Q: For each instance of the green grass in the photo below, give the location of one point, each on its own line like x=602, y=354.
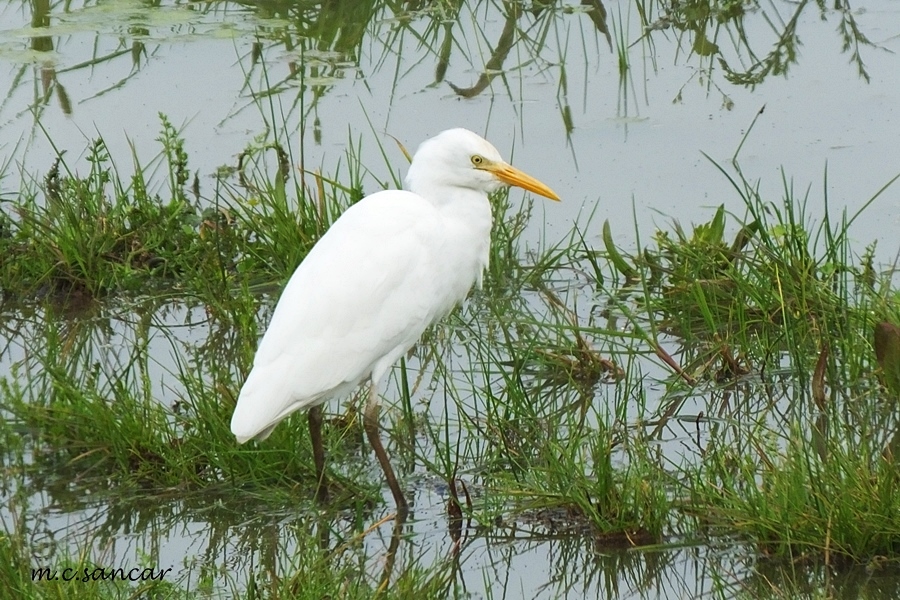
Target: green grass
x=143, y=239
x=719, y=387
x=562, y=400
x=777, y=326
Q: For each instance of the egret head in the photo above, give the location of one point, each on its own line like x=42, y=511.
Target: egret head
x=462, y=159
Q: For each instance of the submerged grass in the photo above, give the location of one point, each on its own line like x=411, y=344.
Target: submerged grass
x=76, y=239
x=777, y=326
x=712, y=383
x=101, y=233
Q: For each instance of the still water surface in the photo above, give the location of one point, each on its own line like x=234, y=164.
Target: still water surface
x=547, y=88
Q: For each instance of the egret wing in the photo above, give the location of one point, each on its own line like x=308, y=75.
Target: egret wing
x=361, y=298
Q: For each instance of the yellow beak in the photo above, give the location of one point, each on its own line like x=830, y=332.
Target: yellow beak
x=510, y=175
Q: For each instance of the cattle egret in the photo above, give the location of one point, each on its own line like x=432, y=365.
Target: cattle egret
x=391, y=265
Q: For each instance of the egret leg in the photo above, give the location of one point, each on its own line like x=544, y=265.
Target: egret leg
x=370, y=423
x=391, y=556
x=315, y=433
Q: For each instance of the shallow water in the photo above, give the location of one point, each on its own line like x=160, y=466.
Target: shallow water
x=624, y=148
x=631, y=146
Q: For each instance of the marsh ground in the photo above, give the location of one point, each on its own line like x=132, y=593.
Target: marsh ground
x=681, y=382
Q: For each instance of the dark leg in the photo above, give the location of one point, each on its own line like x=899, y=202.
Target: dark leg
x=370, y=423
x=315, y=434
x=391, y=555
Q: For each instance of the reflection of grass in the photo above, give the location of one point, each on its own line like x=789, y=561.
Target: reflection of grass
x=727, y=384
x=717, y=32
x=316, y=46
x=808, y=470
x=314, y=561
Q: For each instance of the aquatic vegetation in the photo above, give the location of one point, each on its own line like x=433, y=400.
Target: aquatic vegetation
x=533, y=412
x=699, y=406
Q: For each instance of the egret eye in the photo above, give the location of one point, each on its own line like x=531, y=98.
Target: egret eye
x=358, y=301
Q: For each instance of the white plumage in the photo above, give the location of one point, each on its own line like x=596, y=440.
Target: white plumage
x=391, y=265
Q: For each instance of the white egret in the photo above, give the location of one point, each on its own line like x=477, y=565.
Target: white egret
x=391, y=265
